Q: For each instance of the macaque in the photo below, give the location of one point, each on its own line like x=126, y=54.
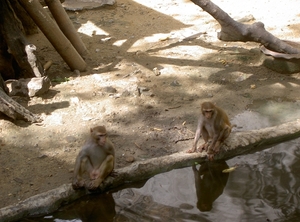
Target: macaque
x=213, y=124
x=96, y=158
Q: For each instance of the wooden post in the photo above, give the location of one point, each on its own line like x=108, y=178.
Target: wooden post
x=66, y=26
x=54, y=34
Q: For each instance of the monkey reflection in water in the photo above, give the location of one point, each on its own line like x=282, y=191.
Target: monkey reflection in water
x=210, y=182
x=96, y=158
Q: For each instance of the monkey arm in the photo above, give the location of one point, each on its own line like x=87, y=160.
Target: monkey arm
x=197, y=136
x=77, y=166
x=79, y=170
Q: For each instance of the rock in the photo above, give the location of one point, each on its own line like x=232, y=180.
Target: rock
x=175, y=83
x=75, y=5
x=156, y=71
x=28, y=87
x=71, y=139
x=129, y=159
x=281, y=62
x=38, y=86
x=17, y=87
x=284, y=66
x=109, y=89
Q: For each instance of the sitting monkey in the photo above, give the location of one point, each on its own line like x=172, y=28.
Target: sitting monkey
x=97, y=158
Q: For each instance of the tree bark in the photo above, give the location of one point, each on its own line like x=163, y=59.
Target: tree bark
x=16, y=41
x=66, y=26
x=28, y=24
x=238, y=143
x=232, y=30
x=54, y=34
x=2, y=85
x=14, y=110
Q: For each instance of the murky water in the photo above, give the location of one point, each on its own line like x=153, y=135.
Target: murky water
x=264, y=187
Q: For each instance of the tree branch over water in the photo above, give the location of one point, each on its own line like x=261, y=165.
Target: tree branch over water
x=238, y=143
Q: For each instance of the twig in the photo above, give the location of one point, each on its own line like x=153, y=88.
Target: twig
x=184, y=139
x=137, y=145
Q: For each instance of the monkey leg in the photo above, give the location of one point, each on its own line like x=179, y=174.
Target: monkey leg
x=218, y=146
x=98, y=175
x=205, y=136
x=223, y=135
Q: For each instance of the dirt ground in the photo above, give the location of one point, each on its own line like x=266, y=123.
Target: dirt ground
x=146, y=79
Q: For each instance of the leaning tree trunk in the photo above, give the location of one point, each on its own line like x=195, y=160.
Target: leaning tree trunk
x=51, y=30
x=238, y=143
x=63, y=21
x=232, y=30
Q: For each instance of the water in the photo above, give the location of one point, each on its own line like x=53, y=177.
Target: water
x=264, y=187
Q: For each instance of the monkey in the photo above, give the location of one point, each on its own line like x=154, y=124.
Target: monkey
x=213, y=124
x=96, y=158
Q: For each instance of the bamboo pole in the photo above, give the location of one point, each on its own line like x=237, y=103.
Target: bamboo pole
x=51, y=30
x=66, y=26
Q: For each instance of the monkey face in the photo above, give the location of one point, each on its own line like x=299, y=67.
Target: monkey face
x=101, y=139
x=208, y=113
x=99, y=135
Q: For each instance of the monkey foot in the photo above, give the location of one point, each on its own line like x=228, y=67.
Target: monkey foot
x=191, y=151
x=94, y=184
x=77, y=186
x=210, y=157
x=201, y=149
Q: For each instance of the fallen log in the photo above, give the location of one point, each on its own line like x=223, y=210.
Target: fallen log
x=14, y=110
x=232, y=30
x=238, y=143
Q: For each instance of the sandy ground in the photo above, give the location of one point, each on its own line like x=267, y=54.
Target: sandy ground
x=145, y=82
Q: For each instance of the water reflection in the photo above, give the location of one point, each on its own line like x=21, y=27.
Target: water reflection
x=265, y=187
x=209, y=182
x=93, y=208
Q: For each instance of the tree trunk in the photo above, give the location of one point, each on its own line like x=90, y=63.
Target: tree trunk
x=240, y=143
x=232, y=30
x=54, y=34
x=66, y=26
x=16, y=42
x=28, y=24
